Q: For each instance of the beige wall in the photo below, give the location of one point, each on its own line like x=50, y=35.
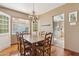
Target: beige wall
x=13, y=39
x=71, y=32
x=14, y=13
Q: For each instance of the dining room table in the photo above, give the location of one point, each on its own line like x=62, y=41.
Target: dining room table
x=33, y=40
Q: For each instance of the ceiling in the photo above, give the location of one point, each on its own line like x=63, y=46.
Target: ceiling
x=40, y=8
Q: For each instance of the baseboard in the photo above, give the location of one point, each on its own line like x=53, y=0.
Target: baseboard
x=14, y=44
x=72, y=52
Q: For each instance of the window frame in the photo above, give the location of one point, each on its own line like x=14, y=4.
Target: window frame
x=4, y=14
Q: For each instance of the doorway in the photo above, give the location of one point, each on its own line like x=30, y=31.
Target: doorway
x=58, y=30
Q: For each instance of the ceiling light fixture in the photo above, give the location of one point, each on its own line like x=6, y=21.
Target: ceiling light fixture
x=33, y=16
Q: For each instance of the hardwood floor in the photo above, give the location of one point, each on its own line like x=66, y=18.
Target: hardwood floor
x=56, y=51
x=72, y=53
x=9, y=51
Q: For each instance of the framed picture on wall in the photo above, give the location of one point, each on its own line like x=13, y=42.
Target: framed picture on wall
x=73, y=18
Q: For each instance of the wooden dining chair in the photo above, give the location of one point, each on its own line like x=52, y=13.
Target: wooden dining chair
x=18, y=41
x=25, y=49
x=45, y=48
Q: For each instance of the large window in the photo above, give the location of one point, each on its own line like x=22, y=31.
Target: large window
x=20, y=25
x=4, y=24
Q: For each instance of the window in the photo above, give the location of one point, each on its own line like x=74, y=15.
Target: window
x=4, y=24
x=35, y=26
x=20, y=25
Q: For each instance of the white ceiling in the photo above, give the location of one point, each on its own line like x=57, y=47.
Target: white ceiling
x=40, y=8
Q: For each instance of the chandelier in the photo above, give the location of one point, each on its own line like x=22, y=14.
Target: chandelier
x=33, y=16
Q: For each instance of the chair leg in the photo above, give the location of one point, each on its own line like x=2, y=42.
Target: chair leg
x=43, y=53
x=50, y=52
x=24, y=52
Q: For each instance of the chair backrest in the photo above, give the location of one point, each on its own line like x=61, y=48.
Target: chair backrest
x=48, y=39
x=17, y=35
x=21, y=39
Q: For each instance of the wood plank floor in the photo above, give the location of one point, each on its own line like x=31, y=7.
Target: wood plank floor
x=56, y=51
x=9, y=51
